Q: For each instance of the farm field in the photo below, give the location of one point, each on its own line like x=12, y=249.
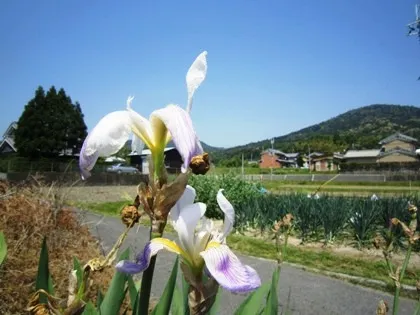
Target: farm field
x=337, y=255
x=342, y=188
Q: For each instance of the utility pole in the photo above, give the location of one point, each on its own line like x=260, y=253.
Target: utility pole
x=243, y=174
x=272, y=153
x=309, y=158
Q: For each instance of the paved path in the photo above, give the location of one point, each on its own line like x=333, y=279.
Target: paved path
x=310, y=293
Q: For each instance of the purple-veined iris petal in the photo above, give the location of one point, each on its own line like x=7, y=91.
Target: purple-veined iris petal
x=195, y=76
x=187, y=198
x=107, y=138
x=229, y=212
x=226, y=268
x=129, y=267
x=179, y=124
x=144, y=257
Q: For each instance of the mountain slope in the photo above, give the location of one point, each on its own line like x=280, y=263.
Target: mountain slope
x=360, y=128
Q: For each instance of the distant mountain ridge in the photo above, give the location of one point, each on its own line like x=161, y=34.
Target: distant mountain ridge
x=360, y=128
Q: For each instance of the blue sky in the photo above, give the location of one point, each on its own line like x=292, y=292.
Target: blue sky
x=274, y=66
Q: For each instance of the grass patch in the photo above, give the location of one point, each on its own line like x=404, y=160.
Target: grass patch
x=319, y=259
x=111, y=208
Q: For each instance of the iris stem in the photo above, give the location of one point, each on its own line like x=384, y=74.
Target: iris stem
x=398, y=284
x=146, y=286
x=146, y=280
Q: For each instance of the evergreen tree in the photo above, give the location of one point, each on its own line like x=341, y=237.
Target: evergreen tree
x=49, y=125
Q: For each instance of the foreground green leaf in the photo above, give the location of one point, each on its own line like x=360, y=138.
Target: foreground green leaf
x=79, y=272
x=164, y=305
x=132, y=291
x=178, y=307
x=272, y=298
x=3, y=248
x=90, y=309
x=253, y=303
x=99, y=299
x=43, y=277
x=185, y=291
x=216, y=305
x=114, y=297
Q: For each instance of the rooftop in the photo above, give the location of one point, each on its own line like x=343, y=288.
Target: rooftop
x=361, y=153
x=278, y=152
x=398, y=136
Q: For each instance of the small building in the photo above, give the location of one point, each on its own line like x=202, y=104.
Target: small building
x=277, y=159
x=326, y=162
x=308, y=158
x=397, y=148
x=173, y=160
x=7, y=145
x=399, y=141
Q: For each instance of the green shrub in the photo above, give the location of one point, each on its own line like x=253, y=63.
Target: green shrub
x=235, y=190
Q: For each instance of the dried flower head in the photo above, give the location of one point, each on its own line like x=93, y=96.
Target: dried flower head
x=382, y=308
x=395, y=221
x=130, y=215
x=412, y=208
x=288, y=220
x=36, y=308
x=200, y=164
x=378, y=241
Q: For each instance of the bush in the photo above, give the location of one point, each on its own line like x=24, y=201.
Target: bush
x=235, y=190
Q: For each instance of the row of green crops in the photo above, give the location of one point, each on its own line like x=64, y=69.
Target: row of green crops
x=327, y=218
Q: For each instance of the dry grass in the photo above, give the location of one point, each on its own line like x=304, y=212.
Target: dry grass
x=26, y=216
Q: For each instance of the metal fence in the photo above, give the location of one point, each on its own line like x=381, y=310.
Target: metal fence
x=374, y=178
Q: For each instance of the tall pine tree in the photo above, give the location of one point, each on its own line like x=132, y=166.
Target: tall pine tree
x=50, y=125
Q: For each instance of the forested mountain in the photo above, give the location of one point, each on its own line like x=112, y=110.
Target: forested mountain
x=360, y=128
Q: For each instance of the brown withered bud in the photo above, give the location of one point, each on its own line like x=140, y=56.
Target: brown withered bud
x=276, y=226
x=412, y=208
x=40, y=309
x=130, y=215
x=418, y=286
x=165, y=198
x=382, y=308
x=395, y=221
x=377, y=242
x=36, y=308
x=288, y=220
x=200, y=164
x=145, y=194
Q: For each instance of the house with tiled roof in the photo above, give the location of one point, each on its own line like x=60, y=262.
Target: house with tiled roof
x=272, y=158
x=7, y=144
x=326, y=162
x=397, y=148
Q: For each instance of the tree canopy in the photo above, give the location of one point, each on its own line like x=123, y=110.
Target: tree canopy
x=51, y=124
